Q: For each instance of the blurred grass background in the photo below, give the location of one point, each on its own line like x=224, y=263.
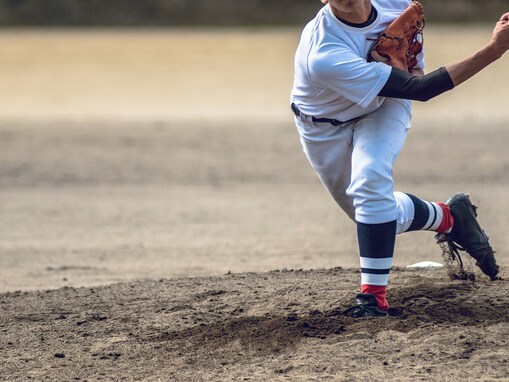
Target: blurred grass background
x=209, y=13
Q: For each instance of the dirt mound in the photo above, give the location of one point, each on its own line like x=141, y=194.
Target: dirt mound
x=414, y=307
x=259, y=326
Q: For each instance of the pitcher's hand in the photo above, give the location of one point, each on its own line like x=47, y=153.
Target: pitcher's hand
x=500, y=38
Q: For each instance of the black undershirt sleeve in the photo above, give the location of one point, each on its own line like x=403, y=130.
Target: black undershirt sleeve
x=404, y=85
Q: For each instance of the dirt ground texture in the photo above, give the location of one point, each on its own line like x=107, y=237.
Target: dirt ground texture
x=279, y=325
x=159, y=220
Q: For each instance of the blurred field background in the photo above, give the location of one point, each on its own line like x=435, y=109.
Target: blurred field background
x=131, y=153
x=203, y=12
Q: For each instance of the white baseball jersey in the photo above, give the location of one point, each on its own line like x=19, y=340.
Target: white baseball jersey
x=332, y=77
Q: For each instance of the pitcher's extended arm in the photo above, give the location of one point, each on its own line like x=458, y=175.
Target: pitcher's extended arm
x=422, y=88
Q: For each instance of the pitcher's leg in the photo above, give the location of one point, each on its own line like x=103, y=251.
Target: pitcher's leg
x=456, y=219
x=415, y=214
x=378, y=140
x=376, y=247
x=330, y=156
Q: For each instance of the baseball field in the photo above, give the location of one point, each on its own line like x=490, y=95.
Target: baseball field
x=159, y=221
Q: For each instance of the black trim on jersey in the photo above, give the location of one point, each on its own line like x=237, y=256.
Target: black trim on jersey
x=368, y=22
x=404, y=85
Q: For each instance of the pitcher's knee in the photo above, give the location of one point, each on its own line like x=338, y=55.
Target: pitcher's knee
x=373, y=197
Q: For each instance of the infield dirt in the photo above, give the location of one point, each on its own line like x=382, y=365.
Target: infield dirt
x=160, y=221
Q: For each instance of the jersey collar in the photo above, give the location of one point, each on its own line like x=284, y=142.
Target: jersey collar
x=355, y=29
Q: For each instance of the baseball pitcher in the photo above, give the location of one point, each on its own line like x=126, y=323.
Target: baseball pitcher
x=358, y=65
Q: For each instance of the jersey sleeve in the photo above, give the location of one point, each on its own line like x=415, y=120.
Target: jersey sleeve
x=349, y=75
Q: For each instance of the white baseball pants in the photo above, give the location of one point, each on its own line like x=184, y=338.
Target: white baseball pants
x=355, y=162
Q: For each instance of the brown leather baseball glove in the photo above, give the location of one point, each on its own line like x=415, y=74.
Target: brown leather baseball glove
x=402, y=40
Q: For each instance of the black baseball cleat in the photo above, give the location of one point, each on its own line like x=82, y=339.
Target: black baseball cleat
x=366, y=307
x=467, y=235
